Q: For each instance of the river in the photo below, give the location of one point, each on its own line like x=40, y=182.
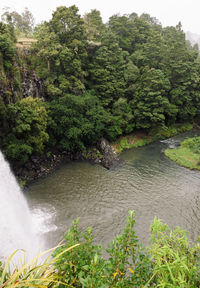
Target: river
x=148, y=183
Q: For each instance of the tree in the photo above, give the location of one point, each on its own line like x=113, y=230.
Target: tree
x=106, y=70
x=150, y=53
x=131, y=75
x=63, y=43
x=150, y=104
x=180, y=66
x=123, y=117
x=7, y=46
x=23, y=23
x=131, y=31
x=47, y=49
x=153, y=21
x=76, y=121
x=93, y=25
x=27, y=122
x=124, y=29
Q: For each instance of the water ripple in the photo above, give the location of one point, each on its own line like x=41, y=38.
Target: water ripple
x=149, y=183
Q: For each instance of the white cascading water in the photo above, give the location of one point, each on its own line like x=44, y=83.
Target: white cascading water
x=15, y=218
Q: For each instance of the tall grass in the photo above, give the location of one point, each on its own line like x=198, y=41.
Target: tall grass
x=130, y=141
x=139, y=139
x=35, y=273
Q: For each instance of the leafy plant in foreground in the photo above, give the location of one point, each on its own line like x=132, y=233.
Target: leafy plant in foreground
x=170, y=261
x=31, y=274
x=175, y=262
x=126, y=266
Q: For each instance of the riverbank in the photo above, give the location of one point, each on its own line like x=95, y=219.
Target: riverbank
x=104, y=153
x=142, y=138
x=187, y=154
x=41, y=166
x=148, y=183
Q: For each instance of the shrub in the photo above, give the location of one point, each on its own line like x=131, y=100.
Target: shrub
x=170, y=261
x=126, y=266
x=176, y=263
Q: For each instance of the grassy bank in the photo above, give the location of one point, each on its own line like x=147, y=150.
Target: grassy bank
x=138, y=139
x=188, y=154
x=142, y=138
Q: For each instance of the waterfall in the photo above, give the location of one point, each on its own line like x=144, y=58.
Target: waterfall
x=15, y=218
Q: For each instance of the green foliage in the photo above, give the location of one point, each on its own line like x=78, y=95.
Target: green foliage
x=169, y=261
x=163, y=132
x=38, y=272
x=124, y=29
x=84, y=266
x=124, y=144
x=106, y=71
x=129, y=142
x=142, y=76
x=61, y=49
x=188, y=154
x=76, y=121
x=123, y=116
x=193, y=144
x=92, y=154
x=131, y=30
x=7, y=47
x=150, y=103
x=175, y=262
x=93, y=25
x=26, y=133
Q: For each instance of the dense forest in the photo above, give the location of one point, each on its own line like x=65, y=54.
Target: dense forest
x=88, y=80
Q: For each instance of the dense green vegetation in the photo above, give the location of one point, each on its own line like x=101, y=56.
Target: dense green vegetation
x=99, y=80
x=140, y=139
x=188, y=154
x=169, y=261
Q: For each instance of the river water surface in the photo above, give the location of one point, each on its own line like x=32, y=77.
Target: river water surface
x=148, y=183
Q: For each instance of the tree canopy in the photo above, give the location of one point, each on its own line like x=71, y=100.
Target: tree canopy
x=99, y=80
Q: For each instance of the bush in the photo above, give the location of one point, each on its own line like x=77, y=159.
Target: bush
x=126, y=266
x=170, y=261
x=176, y=263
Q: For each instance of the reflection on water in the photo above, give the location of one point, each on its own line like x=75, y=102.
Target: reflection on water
x=149, y=183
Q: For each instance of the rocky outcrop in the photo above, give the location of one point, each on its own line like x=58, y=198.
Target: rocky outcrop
x=26, y=84
x=39, y=166
x=109, y=158
x=31, y=86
